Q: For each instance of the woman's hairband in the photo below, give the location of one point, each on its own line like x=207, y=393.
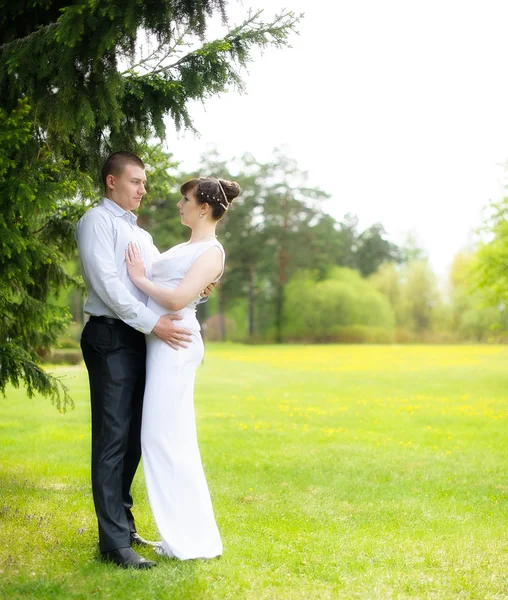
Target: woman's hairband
x=225, y=197
x=224, y=206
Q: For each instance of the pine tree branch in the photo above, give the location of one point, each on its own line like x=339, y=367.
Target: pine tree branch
x=23, y=368
x=156, y=53
x=250, y=31
x=39, y=230
x=146, y=60
x=17, y=43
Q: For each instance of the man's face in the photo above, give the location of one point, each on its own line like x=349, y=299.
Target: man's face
x=128, y=188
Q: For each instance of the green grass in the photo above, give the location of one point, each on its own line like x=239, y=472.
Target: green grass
x=336, y=472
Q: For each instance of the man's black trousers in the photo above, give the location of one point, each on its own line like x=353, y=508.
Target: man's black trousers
x=114, y=355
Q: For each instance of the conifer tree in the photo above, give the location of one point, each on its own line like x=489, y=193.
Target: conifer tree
x=74, y=86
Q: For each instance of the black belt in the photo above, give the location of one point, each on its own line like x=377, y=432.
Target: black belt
x=108, y=320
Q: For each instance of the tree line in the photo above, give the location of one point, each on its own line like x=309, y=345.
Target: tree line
x=297, y=274
x=276, y=229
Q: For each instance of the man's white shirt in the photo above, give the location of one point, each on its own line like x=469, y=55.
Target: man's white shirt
x=103, y=234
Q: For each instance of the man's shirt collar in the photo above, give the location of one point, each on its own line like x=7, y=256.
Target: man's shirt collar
x=117, y=210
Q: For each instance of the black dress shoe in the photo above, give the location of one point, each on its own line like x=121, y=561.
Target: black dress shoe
x=139, y=541
x=127, y=558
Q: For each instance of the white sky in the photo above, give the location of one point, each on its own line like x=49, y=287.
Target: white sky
x=399, y=109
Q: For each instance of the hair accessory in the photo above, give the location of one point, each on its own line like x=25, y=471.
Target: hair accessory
x=226, y=206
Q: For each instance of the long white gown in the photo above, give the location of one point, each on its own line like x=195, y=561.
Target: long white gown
x=175, y=480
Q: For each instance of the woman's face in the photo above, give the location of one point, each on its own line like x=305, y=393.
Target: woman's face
x=189, y=208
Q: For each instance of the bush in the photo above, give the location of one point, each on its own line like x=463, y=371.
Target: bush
x=66, y=356
x=326, y=310
x=68, y=343
x=404, y=336
x=440, y=337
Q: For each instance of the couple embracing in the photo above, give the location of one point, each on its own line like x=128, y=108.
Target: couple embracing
x=142, y=346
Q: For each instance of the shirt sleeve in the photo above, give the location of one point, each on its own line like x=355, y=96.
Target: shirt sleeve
x=96, y=249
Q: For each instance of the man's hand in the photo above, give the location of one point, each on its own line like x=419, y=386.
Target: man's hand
x=208, y=290
x=176, y=337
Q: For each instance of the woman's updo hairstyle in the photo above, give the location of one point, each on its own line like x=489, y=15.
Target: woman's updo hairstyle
x=218, y=193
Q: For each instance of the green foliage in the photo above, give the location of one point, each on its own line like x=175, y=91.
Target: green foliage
x=364, y=251
x=35, y=237
x=64, y=356
x=319, y=310
x=422, y=314
x=74, y=86
x=373, y=250
x=489, y=270
x=412, y=292
x=419, y=296
x=387, y=280
x=476, y=313
x=67, y=60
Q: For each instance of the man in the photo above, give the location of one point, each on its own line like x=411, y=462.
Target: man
x=113, y=345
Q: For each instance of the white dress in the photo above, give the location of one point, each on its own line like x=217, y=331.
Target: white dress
x=175, y=480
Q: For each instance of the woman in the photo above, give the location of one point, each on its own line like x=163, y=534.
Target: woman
x=175, y=480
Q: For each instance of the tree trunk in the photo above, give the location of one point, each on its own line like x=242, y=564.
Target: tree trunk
x=252, y=282
x=77, y=308
x=279, y=308
x=222, y=316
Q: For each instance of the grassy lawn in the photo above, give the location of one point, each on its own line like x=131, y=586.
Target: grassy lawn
x=336, y=472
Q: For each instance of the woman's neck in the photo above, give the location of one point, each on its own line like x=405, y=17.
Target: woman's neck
x=202, y=233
